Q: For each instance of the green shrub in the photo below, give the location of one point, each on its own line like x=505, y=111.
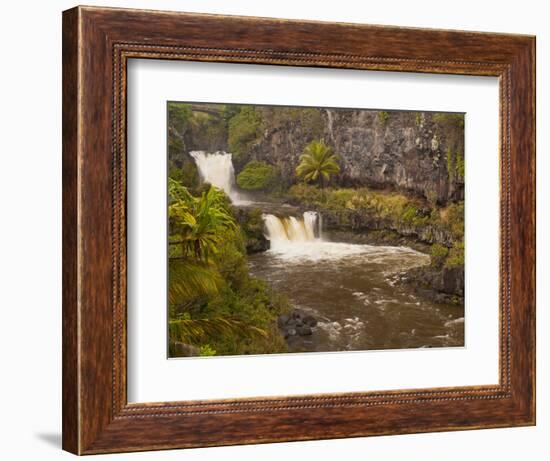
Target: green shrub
x=456, y=255
x=438, y=254
x=244, y=129
x=308, y=119
x=409, y=213
x=187, y=175
x=383, y=116
x=179, y=114
x=460, y=165
x=249, y=300
x=455, y=164
x=453, y=218
x=305, y=193
x=257, y=175
x=207, y=351
x=449, y=119
x=207, y=130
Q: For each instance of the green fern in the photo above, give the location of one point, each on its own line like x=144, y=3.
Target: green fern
x=189, y=280
x=194, y=331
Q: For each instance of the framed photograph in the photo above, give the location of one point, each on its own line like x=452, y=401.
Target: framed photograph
x=284, y=230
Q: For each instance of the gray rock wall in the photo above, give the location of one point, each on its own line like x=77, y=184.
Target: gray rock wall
x=401, y=150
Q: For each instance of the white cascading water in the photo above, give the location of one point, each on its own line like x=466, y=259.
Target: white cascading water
x=312, y=221
x=217, y=169
x=330, y=124
x=298, y=240
x=284, y=231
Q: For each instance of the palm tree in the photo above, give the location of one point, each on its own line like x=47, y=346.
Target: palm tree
x=317, y=163
x=195, y=331
x=189, y=280
x=198, y=226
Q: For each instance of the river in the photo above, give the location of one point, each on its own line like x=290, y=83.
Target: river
x=353, y=291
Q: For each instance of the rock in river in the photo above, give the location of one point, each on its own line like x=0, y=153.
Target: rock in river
x=296, y=323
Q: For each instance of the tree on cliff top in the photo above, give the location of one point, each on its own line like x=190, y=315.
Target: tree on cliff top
x=317, y=163
x=244, y=129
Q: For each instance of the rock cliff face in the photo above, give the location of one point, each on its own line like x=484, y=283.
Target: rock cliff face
x=362, y=222
x=440, y=284
x=408, y=151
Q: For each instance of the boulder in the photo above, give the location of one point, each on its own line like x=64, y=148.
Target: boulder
x=296, y=323
x=304, y=330
x=310, y=321
x=282, y=320
x=184, y=350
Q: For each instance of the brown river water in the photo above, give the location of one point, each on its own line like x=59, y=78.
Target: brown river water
x=353, y=291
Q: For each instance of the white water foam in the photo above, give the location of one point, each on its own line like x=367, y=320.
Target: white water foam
x=318, y=250
x=285, y=231
x=454, y=322
x=217, y=169
x=298, y=240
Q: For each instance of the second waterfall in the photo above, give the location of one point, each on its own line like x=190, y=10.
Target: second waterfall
x=286, y=230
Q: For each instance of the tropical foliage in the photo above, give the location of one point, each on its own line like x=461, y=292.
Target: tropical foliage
x=317, y=163
x=257, y=175
x=438, y=254
x=200, y=330
x=178, y=120
x=200, y=224
x=214, y=304
x=244, y=128
x=383, y=116
x=189, y=280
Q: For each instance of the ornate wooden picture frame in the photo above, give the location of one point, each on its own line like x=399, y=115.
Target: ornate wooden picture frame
x=97, y=44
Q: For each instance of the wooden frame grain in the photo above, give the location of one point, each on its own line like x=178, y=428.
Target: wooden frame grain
x=97, y=44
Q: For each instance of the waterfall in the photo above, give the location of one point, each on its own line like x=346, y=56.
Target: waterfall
x=311, y=220
x=276, y=229
x=217, y=169
x=289, y=230
x=330, y=124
